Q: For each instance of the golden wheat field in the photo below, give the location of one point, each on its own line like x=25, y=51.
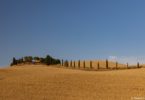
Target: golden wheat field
x=40, y=82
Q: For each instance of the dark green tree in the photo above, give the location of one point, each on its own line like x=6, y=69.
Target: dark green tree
x=28, y=59
x=58, y=61
x=84, y=64
x=127, y=65
x=71, y=63
x=79, y=64
x=138, y=66
x=48, y=60
x=42, y=60
x=74, y=64
x=62, y=62
x=66, y=63
x=116, y=65
x=91, y=64
x=36, y=58
x=107, y=64
x=14, y=62
x=98, y=65
x=51, y=61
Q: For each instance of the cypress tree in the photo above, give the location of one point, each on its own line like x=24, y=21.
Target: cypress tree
x=14, y=62
x=84, y=64
x=107, y=64
x=91, y=64
x=79, y=64
x=98, y=65
x=48, y=60
x=74, y=64
x=127, y=65
x=66, y=63
x=62, y=62
x=138, y=65
x=71, y=63
x=116, y=64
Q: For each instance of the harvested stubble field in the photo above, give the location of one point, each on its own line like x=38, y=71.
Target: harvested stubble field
x=40, y=82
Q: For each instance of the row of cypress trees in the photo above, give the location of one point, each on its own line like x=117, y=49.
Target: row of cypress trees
x=73, y=64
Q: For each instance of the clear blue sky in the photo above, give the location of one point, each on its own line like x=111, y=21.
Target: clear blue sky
x=71, y=29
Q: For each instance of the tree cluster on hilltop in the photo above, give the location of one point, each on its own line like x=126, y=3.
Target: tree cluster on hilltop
x=48, y=60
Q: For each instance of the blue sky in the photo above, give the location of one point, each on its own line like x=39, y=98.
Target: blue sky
x=72, y=29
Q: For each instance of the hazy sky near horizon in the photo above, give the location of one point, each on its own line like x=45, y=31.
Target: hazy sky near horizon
x=72, y=29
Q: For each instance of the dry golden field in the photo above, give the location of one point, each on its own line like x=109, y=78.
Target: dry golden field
x=40, y=82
